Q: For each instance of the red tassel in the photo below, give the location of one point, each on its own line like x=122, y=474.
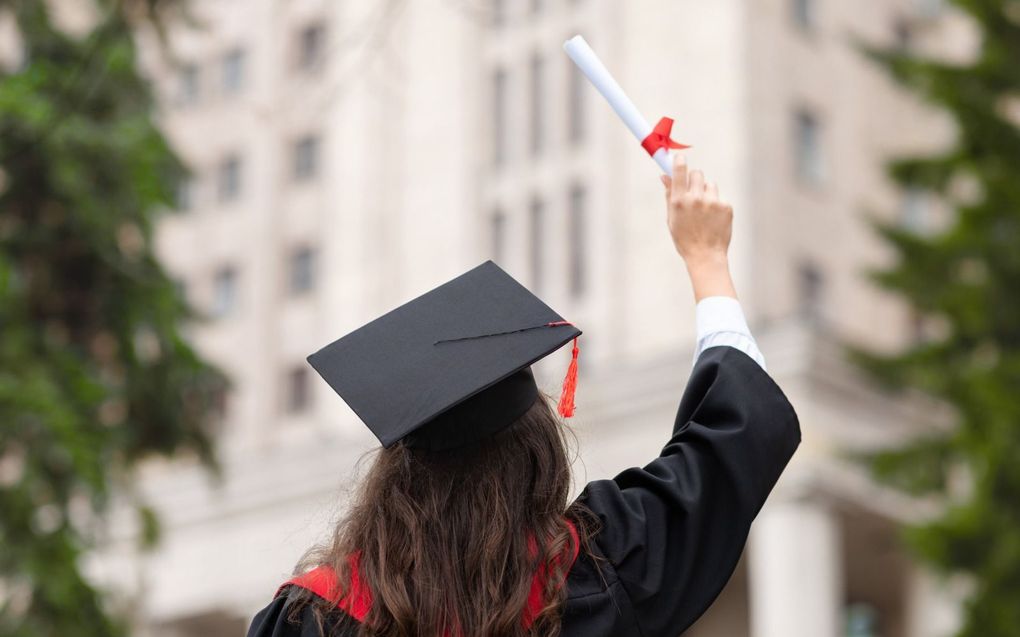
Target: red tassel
x=566, y=405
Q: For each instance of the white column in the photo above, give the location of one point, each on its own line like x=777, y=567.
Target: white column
x=934, y=605
x=795, y=571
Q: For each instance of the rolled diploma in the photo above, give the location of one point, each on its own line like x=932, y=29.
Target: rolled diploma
x=599, y=76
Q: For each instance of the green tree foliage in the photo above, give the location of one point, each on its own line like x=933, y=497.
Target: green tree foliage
x=966, y=277
x=95, y=374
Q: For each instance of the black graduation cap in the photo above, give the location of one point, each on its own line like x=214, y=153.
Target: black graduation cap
x=452, y=366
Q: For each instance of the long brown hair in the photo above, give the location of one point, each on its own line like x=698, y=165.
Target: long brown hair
x=443, y=537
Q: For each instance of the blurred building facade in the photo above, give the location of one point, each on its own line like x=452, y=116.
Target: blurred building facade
x=348, y=156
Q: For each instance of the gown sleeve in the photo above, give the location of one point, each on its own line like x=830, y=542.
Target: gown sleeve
x=674, y=529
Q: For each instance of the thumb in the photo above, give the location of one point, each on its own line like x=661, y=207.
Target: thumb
x=666, y=181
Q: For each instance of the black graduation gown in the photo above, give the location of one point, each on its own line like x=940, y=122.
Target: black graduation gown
x=672, y=531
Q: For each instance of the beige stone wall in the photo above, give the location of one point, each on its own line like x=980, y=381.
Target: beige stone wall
x=864, y=120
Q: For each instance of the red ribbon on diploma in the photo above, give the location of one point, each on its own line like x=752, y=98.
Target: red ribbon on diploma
x=659, y=137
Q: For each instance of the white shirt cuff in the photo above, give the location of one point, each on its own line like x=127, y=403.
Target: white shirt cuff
x=720, y=314
x=720, y=321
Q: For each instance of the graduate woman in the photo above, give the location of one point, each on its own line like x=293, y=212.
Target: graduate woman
x=462, y=526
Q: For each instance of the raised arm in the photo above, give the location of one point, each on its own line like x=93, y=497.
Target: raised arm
x=701, y=223
x=674, y=529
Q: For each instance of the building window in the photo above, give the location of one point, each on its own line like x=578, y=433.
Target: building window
x=903, y=34
x=219, y=405
x=301, y=277
x=306, y=158
x=916, y=210
x=577, y=240
x=499, y=117
x=810, y=291
x=537, y=215
x=537, y=82
x=311, y=47
x=918, y=327
x=189, y=84
x=233, y=71
x=808, y=142
x=184, y=194
x=228, y=178
x=181, y=289
x=930, y=9
x=224, y=291
x=861, y=621
x=575, y=103
x=805, y=13
x=498, y=235
x=498, y=13
x=299, y=395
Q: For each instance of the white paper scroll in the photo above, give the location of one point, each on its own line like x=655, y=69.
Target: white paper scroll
x=599, y=76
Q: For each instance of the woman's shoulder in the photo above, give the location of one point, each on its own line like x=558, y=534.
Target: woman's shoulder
x=290, y=614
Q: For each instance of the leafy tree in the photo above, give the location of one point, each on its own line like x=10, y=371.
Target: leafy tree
x=95, y=374
x=966, y=279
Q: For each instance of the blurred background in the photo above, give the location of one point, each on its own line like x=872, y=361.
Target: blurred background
x=195, y=197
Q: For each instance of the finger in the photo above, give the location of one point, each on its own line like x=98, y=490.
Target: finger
x=680, y=171
x=696, y=186
x=666, y=181
x=711, y=192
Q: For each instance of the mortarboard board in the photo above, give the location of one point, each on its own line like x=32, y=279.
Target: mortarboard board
x=452, y=366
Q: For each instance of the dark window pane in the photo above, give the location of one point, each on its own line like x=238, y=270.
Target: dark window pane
x=228, y=182
x=918, y=325
x=224, y=291
x=219, y=406
x=299, y=396
x=810, y=164
x=804, y=13
x=498, y=13
x=862, y=620
x=233, y=71
x=537, y=214
x=498, y=236
x=499, y=117
x=575, y=103
x=930, y=9
x=189, y=84
x=537, y=98
x=302, y=271
x=916, y=210
x=577, y=243
x=184, y=196
x=306, y=158
x=181, y=289
x=311, y=46
x=903, y=33
x=811, y=291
